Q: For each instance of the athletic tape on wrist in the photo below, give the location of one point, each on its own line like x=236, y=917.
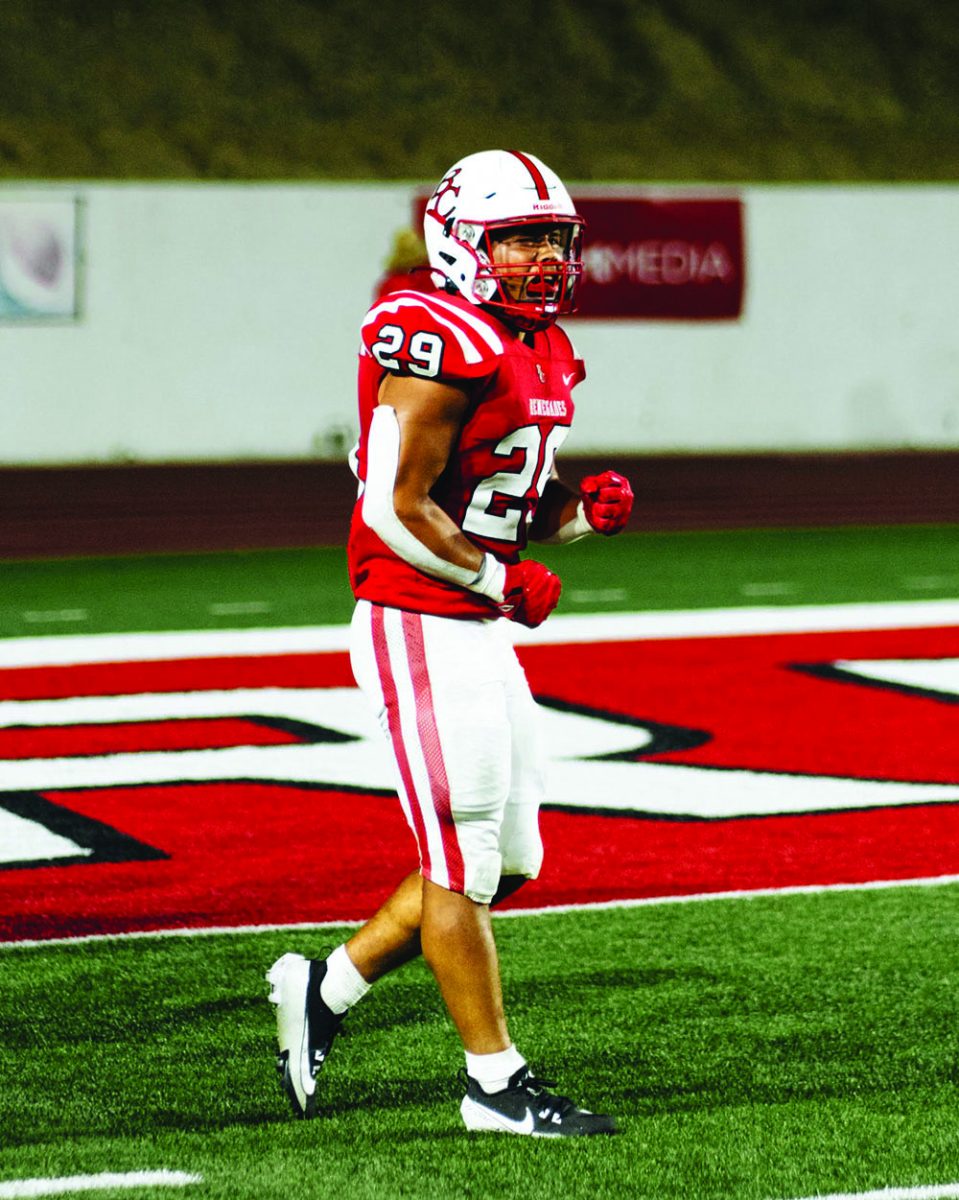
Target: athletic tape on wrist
x=490, y=579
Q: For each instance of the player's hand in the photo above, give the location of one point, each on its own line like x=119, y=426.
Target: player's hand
x=530, y=593
x=607, y=501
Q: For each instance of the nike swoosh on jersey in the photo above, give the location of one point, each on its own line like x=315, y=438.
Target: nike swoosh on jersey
x=568, y=379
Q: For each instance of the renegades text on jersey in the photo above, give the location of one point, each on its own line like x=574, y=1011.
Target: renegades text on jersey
x=520, y=411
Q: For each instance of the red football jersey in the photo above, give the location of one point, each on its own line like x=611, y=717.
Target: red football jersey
x=520, y=412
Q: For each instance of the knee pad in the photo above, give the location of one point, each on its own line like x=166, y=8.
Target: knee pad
x=482, y=870
x=524, y=855
x=520, y=841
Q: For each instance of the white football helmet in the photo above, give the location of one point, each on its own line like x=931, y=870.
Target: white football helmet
x=498, y=190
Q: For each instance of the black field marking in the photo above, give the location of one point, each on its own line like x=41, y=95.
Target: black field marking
x=665, y=739
x=833, y=674
x=104, y=843
x=306, y=731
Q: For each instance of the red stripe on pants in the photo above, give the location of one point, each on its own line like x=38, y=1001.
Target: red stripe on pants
x=432, y=749
x=391, y=699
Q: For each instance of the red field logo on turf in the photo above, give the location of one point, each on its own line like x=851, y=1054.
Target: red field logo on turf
x=254, y=789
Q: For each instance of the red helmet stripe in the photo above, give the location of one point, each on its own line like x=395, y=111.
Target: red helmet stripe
x=542, y=191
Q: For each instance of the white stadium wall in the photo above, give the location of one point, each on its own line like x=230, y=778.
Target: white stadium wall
x=219, y=322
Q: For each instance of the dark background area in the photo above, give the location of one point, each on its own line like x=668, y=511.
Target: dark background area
x=639, y=90
x=615, y=90
x=143, y=509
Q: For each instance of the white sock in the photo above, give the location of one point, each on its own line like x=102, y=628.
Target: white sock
x=493, y=1071
x=342, y=984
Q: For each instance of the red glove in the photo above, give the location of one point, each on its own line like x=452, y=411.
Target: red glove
x=607, y=501
x=530, y=593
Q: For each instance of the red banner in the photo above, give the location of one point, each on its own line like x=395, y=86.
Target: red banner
x=658, y=257
x=662, y=258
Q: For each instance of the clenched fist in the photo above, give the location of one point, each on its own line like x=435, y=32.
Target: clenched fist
x=530, y=593
x=607, y=501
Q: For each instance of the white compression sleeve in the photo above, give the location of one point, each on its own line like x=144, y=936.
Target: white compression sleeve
x=382, y=460
x=573, y=530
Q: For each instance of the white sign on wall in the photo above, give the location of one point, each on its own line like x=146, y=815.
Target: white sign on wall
x=38, y=259
x=220, y=322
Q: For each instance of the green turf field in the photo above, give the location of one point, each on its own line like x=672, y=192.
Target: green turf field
x=753, y=1050
x=768, y=1048
x=630, y=573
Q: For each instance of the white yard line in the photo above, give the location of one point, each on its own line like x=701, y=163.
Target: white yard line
x=598, y=595
x=615, y=627
x=772, y=587
x=930, y=583
x=944, y=1191
x=816, y=889
x=53, y=616
x=65, y=1184
x=237, y=608
x=158, y=647
x=733, y=622
x=812, y=889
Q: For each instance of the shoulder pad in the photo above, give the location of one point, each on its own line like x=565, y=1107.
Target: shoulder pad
x=412, y=333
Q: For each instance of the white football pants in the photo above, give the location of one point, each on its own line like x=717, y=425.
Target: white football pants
x=452, y=698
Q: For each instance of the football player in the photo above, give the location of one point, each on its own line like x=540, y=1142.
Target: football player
x=465, y=397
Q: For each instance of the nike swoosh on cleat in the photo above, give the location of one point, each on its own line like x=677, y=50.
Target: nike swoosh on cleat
x=524, y=1126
